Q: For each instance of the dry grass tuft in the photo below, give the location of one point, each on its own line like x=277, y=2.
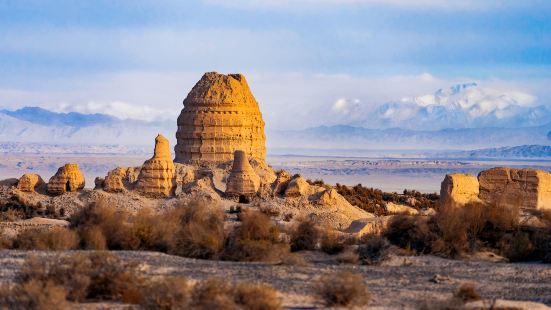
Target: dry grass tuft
x=466, y=293
x=305, y=235
x=56, y=239
x=213, y=293
x=168, y=293
x=256, y=297
x=344, y=289
x=200, y=233
x=256, y=239
x=330, y=241
x=373, y=250
x=33, y=295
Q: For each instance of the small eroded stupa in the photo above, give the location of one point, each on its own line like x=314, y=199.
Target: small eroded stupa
x=242, y=179
x=156, y=177
x=68, y=178
x=220, y=116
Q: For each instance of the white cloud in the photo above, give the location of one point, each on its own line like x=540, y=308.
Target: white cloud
x=287, y=100
x=119, y=109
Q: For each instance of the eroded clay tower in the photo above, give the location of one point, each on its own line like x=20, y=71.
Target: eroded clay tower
x=220, y=116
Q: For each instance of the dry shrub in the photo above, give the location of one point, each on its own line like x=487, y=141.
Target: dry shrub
x=111, y=278
x=213, y=293
x=256, y=297
x=256, y=239
x=330, y=241
x=343, y=289
x=201, y=232
x=93, y=238
x=294, y=259
x=69, y=272
x=6, y=242
x=56, y=239
x=517, y=246
x=411, y=233
x=466, y=293
x=168, y=293
x=305, y=235
x=348, y=256
x=33, y=294
x=11, y=215
x=93, y=276
x=373, y=250
x=112, y=223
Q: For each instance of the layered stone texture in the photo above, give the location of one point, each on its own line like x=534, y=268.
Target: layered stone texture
x=156, y=176
x=242, y=179
x=220, y=116
x=500, y=187
x=68, y=178
x=121, y=179
x=526, y=188
x=29, y=182
x=459, y=189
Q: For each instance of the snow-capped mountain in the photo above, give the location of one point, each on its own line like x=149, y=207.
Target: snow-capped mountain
x=461, y=106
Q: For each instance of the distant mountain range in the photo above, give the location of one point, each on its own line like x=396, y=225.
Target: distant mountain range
x=516, y=152
x=520, y=123
x=37, y=125
x=343, y=137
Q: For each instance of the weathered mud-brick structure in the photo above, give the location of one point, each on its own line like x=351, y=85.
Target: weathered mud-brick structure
x=526, y=188
x=29, y=182
x=156, y=177
x=220, y=116
x=459, y=189
x=68, y=178
x=242, y=181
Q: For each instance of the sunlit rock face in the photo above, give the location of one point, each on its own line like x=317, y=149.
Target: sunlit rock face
x=458, y=189
x=526, y=188
x=68, y=178
x=29, y=182
x=156, y=176
x=220, y=116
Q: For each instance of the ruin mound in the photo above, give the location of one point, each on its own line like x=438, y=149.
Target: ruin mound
x=220, y=116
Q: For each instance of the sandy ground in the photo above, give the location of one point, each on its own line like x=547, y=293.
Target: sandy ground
x=400, y=283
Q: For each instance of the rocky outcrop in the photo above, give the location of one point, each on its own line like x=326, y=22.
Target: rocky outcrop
x=507, y=187
x=121, y=179
x=68, y=178
x=458, y=189
x=394, y=208
x=156, y=176
x=297, y=187
x=29, y=182
x=242, y=180
x=281, y=181
x=369, y=226
x=220, y=116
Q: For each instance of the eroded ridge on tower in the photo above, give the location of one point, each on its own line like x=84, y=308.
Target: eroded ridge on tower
x=220, y=116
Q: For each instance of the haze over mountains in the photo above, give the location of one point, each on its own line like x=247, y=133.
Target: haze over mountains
x=463, y=117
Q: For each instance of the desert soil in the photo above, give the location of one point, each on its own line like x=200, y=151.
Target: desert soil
x=400, y=283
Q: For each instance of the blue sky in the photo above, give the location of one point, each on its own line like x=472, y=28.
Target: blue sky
x=88, y=55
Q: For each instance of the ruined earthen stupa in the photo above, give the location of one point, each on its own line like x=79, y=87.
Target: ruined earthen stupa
x=68, y=178
x=242, y=180
x=29, y=182
x=220, y=116
x=156, y=177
